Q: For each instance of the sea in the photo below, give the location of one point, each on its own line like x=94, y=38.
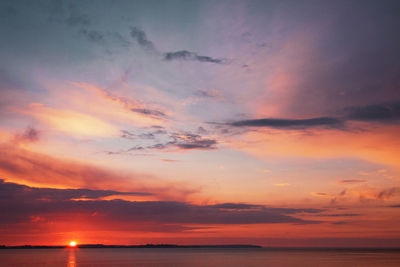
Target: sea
x=197, y=257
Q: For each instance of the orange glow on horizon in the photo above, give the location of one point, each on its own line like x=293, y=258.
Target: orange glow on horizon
x=72, y=244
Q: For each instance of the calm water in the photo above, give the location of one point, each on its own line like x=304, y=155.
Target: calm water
x=194, y=257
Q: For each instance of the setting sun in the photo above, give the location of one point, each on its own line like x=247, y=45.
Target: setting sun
x=72, y=244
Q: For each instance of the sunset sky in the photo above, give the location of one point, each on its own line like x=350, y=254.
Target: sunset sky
x=274, y=123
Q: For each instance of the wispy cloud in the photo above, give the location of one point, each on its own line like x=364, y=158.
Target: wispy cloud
x=94, y=36
x=187, y=55
x=141, y=38
x=185, y=141
x=150, y=112
x=130, y=104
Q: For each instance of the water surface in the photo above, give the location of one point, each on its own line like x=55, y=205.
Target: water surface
x=151, y=257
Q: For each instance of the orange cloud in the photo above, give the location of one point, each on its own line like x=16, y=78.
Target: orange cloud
x=118, y=107
x=21, y=165
x=380, y=145
x=71, y=122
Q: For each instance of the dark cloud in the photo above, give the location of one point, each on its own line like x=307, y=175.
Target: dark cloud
x=128, y=135
x=340, y=222
x=151, y=112
x=149, y=135
x=94, y=36
x=339, y=215
x=379, y=113
x=187, y=55
x=192, y=141
x=22, y=192
x=236, y=206
x=289, y=123
x=198, y=144
x=201, y=130
x=18, y=203
x=29, y=135
x=387, y=193
x=185, y=141
x=140, y=37
x=343, y=193
x=146, y=136
x=387, y=112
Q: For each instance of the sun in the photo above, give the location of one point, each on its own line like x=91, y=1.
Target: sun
x=72, y=244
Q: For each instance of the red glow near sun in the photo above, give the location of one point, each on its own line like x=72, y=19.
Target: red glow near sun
x=72, y=244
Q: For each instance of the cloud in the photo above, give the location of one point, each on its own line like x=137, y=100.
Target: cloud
x=338, y=215
x=20, y=203
x=208, y=93
x=386, y=112
x=236, y=206
x=118, y=38
x=192, y=141
x=187, y=55
x=29, y=135
x=185, y=141
x=289, y=123
x=23, y=192
x=94, y=36
x=150, y=112
x=148, y=135
x=128, y=135
x=38, y=169
x=387, y=193
x=382, y=113
x=140, y=37
x=129, y=104
x=198, y=144
x=352, y=181
x=71, y=122
x=201, y=130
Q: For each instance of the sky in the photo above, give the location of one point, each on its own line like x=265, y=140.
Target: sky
x=274, y=123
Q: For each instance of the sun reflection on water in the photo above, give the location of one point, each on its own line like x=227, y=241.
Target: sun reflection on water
x=71, y=258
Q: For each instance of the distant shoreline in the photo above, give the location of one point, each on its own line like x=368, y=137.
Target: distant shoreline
x=169, y=246
x=130, y=246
